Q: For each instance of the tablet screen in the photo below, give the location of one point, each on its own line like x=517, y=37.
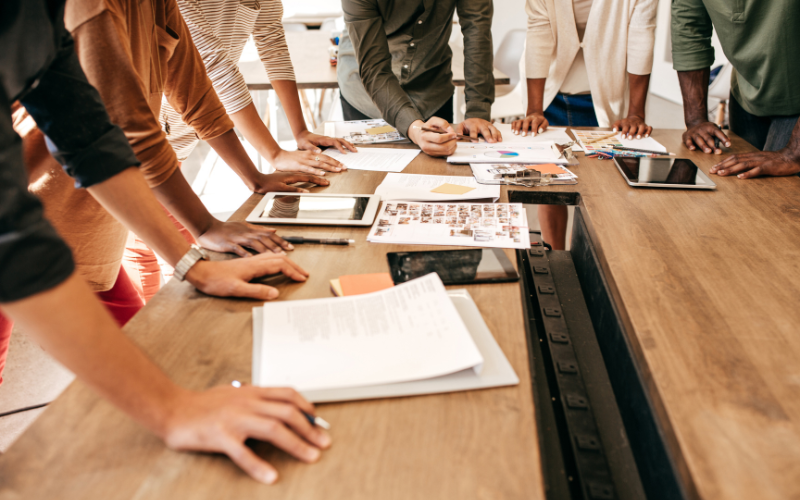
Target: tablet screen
x=661, y=171
x=297, y=206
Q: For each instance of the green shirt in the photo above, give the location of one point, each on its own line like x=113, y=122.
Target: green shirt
x=395, y=60
x=761, y=38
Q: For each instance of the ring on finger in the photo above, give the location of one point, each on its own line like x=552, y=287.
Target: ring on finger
x=316, y=159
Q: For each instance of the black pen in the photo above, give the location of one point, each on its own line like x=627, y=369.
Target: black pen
x=322, y=241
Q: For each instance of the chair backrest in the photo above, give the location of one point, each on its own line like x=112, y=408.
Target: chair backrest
x=294, y=27
x=508, y=54
x=721, y=86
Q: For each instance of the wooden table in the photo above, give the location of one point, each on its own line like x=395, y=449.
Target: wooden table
x=706, y=284
x=313, y=70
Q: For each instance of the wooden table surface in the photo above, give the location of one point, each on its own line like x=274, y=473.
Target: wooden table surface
x=313, y=70
x=706, y=283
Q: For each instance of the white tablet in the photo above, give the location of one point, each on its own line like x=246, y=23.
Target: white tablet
x=317, y=208
x=663, y=172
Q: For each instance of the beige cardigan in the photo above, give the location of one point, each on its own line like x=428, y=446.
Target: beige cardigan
x=619, y=39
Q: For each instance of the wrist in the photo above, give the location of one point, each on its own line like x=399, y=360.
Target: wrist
x=168, y=421
x=534, y=111
x=198, y=274
x=414, y=130
x=790, y=154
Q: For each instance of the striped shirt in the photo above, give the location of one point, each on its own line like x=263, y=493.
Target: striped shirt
x=220, y=29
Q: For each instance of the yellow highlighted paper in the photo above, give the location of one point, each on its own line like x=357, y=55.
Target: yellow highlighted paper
x=386, y=129
x=447, y=188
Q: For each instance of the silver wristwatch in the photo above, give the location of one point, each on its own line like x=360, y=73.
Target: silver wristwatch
x=187, y=261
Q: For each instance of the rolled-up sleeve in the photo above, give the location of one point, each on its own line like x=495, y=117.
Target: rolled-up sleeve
x=691, y=36
x=70, y=113
x=365, y=27
x=642, y=37
x=475, y=17
x=100, y=46
x=539, y=41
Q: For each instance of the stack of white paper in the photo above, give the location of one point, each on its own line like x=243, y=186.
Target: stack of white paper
x=416, y=187
x=363, y=131
x=409, y=332
x=379, y=159
x=489, y=225
x=558, y=135
x=585, y=138
x=506, y=152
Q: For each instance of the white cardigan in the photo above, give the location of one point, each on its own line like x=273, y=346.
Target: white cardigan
x=619, y=39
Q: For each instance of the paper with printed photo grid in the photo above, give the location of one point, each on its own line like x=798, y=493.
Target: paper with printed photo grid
x=485, y=225
x=363, y=131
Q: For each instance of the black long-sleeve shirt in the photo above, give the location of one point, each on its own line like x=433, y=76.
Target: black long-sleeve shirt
x=38, y=67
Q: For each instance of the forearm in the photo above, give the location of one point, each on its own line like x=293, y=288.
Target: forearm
x=232, y=152
x=129, y=199
x=639, y=85
x=694, y=89
x=535, y=95
x=287, y=93
x=81, y=334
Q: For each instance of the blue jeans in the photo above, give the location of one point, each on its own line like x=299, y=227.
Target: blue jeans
x=767, y=133
x=571, y=111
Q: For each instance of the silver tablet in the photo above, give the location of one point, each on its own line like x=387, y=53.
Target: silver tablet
x=663, y=172
x=317, y=208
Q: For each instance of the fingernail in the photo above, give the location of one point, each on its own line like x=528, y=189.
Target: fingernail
x=318, y=151
x=304, y=190
x=269, y=476
x=541, y=130
x=313, y=455
x=516, y=132
x=722, y=172
x=272, y=294
x=638, y=136
x=615, y=130
x=324, y=440
x=290, y=246
x=524, y=134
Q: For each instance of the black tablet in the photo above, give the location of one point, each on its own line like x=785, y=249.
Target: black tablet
x=663, y=172
x=454, y=267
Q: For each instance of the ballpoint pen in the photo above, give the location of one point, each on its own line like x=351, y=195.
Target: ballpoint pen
x=322, y=241
x=458, y=136
x=316, y=421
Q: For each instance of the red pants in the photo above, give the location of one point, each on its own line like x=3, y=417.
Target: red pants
x=142, y=264
x=122, y=301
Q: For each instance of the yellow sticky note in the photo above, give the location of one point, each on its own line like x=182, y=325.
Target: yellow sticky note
x=447, y=188
x=381, y=130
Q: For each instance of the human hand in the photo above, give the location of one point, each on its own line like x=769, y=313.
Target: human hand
x=703, y=134
x=748, y=165
x=311, y=142
x=634, y=126
x=221, y=419
x=535, y=122
x=430, y=142
x=308, y=162
x=231, y=278
x=234, y=237
x=475, y=126
x=279, y=181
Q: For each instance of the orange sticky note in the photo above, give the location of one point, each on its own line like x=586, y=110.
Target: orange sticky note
x=385, y=129
x=358, y=284
x=447, y=188
x=546, y=168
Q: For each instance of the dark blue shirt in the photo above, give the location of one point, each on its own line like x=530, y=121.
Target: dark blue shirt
x=38, y=67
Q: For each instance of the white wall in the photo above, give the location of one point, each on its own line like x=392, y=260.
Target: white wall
x=508, y=15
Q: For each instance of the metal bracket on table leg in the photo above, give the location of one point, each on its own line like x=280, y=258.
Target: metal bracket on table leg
x=574, y=414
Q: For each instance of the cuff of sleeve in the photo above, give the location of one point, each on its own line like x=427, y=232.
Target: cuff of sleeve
x=158, y=164
x=538, y=55
x=692, y=60
x=481, y=110
x=34, y=263
x=640, y=50
x=103, y=159
x=405, y=117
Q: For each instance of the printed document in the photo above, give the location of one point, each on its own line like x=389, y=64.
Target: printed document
x=408, y=332
x=486, y=225
x=506, y=152
x=363, y=131
x=415, y=187
x=378, y=159
x=489, y=173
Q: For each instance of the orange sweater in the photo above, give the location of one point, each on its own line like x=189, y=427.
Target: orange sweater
x=133, y=52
